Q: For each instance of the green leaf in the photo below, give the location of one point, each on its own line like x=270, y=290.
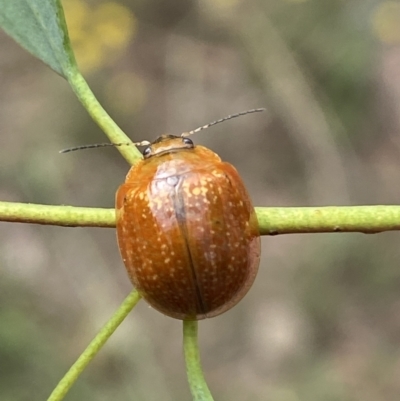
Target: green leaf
x=39, y=26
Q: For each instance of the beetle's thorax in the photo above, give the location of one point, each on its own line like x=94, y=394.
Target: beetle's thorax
x=168, y=144
x=173, y=162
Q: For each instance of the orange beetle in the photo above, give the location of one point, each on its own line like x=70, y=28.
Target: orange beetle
x=187, y=231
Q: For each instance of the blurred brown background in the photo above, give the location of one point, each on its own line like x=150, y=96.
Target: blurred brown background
x=322, y=321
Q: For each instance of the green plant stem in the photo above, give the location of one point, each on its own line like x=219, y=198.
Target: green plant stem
x=67, y=216
x=272, y=220
x=94, y=347
x=101, y=117
x=197, y=383
x=328, y=219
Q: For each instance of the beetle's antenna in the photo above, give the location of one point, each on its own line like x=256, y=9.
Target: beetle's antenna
x=102, y=145
x=243, y=113
x=147, y=143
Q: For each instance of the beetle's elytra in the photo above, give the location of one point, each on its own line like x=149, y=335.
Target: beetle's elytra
x=187, y=230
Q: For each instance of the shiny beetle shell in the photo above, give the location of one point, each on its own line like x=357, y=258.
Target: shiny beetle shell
x=187, y=230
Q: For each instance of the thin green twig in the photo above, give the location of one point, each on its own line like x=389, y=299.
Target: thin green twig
x=197, y=383
x=101, y=117
x=272, y=220
x=67, y=216
x=328, y=219
x=94, y=347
